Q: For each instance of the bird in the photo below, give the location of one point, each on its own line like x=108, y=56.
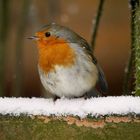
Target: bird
x=66, y=64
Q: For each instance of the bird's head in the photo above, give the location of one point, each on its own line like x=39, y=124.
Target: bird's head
x=54, y=33
x=53, y=45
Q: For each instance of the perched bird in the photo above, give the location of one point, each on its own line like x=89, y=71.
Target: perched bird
x=66, y=65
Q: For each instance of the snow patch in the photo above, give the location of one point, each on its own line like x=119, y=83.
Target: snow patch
x=122, y=105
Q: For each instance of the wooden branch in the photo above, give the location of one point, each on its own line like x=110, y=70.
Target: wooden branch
x=62, y=128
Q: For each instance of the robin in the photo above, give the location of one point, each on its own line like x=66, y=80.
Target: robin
x=66, y=65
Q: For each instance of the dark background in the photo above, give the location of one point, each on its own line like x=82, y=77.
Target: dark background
x=27, y=16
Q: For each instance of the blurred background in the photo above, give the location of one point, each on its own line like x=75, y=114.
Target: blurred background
x=20, y=19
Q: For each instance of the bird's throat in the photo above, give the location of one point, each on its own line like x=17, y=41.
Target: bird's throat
x=55, y=54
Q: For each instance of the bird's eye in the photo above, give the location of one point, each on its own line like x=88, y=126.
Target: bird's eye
x=47, y=34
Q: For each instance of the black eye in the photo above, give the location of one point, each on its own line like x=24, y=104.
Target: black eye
x=47, y=34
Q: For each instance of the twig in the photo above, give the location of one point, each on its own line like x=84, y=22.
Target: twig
x=137, y=47
x=129, y=70
x=96, y=23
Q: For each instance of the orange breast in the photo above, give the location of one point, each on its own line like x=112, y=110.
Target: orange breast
x=55, y=53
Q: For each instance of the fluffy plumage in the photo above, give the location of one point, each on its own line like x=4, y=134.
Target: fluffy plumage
x=67, y=66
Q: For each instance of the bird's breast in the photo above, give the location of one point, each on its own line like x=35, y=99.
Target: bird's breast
x=56, y=54
x=72, y=81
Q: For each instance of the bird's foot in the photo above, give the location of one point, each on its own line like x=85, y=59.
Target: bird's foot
x=55, y=98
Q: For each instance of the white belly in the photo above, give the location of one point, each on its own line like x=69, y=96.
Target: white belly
x=71, y=81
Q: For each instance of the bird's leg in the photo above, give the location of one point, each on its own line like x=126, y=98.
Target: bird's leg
x=92, y=93
x=55, y=98
x=86, y=96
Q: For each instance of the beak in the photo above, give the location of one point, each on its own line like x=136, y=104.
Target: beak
x=33, y=38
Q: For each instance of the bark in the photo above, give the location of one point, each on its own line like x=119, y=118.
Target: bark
x=70, y=128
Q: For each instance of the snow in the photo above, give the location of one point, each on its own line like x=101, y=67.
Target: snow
x=100, y=106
